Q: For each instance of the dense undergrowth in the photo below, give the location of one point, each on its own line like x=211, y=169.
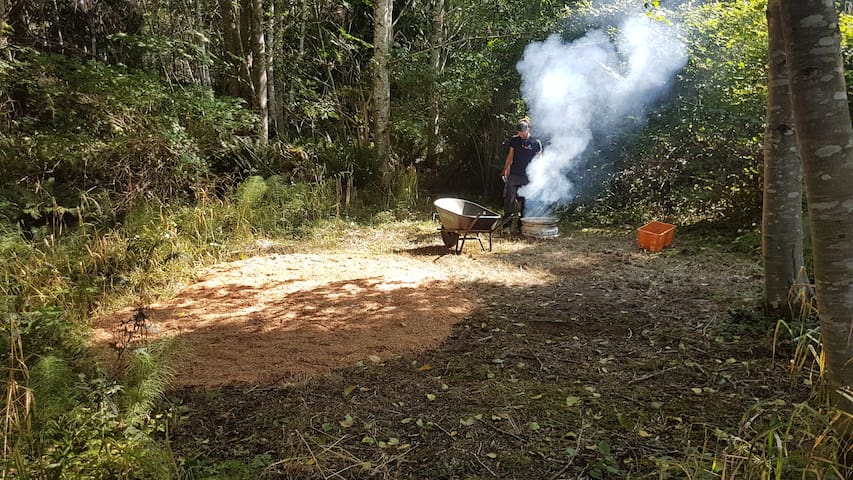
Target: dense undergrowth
x=129, y=185
x=70, y=415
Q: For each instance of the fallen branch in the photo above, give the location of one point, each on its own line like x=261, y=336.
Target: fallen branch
x=489, y=424
x=651, y=375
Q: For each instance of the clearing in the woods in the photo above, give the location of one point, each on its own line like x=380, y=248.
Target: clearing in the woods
x=373, y=353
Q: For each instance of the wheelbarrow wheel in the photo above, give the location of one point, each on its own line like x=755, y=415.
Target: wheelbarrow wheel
x=449, y=238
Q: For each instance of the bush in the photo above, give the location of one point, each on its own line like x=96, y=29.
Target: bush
x=91, y=129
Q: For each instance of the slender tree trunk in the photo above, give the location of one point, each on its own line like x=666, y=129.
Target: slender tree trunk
x=259, y=68
x=4, y=42
x=382, y=36
x=247, y=82
x=825, y=141
x=233, y=52
x=303, y=23
x=20, y=33
x=436, y=39
x=204, y=69
x=782, y=223
x=17, y=20
x=272, y=38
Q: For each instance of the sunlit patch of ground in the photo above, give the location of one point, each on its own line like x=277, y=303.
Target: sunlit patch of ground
x=273, y=317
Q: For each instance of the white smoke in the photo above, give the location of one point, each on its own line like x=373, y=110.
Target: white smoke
x=590, y=86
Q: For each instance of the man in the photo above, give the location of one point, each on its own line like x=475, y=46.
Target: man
x=522, y=150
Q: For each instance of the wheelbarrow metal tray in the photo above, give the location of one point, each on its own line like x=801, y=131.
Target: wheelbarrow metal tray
x=465, y=216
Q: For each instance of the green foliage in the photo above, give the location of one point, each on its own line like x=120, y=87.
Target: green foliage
x=700, y=156
x=88, y=129
x=775, y=440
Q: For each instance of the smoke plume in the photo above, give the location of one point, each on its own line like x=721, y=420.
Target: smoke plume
x=591, y=86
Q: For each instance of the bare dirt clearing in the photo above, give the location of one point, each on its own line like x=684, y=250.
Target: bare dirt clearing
x=574, y=358
x=273, y=317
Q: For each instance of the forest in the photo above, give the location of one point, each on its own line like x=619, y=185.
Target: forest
x=223, y=252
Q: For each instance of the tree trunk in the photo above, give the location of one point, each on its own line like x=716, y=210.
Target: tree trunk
x=782, y=223
x=4, y=41
x=825, y=141
x=246, y=39
x=233, y=52
x=259, y=68
x=272, y=38
x=436, y=40
x=382, y=36
x=17, y=20
x=204, y=68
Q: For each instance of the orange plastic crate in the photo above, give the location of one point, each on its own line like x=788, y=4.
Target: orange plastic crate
x=655, y=236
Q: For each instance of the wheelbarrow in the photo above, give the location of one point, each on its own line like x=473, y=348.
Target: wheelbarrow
x=460, y=219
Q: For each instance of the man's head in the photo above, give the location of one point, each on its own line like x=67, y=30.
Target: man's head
x=523, y=129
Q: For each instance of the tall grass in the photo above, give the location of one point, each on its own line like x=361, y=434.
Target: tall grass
x=72, y=413
x=776, y=439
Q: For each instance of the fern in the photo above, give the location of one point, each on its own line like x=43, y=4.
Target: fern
x=251, y=191
x=51, y=381
x=146, y=379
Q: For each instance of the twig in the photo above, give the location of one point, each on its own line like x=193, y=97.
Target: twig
x=538, y=360
x=571, y=460
x=489, y=424
x=651, y=375
x=392, y=458
x=316, y=462
x=484, y=465
x=443, y=430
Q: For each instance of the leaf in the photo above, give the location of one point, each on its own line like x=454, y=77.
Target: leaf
x=425, y=367
x=368, y=440
x=406, y=420
x=498, y=361
x=467, y=421
x=375, y=358
x=533, y=426
x=571, y=401
x=696, y=390
x=349, y=390
x=644, y=434
x=327, y=426
x=346, y=422
x=430, y=396
x=492, y=455
x=537, y=397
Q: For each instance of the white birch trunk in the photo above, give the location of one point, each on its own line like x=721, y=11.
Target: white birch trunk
x=825, y=142
x=782, y=222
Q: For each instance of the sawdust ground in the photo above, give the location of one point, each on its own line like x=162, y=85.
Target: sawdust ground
x=278, y=316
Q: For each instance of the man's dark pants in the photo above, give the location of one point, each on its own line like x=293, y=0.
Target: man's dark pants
x=513, y=183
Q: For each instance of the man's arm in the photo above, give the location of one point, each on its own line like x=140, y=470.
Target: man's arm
x=508, y=162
